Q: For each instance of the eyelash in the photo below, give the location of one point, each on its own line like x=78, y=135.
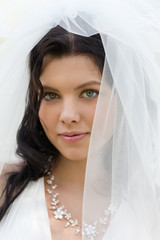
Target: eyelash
x=88, y=98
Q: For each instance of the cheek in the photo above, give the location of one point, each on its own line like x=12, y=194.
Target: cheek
x=89, y=112
x=42, y=114
x=47, y=116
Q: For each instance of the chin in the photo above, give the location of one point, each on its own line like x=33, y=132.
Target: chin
x=78, y=156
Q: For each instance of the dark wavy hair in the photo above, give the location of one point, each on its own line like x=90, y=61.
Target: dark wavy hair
x=33, y=145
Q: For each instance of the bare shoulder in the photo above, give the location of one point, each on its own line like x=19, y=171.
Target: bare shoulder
x=7, y=170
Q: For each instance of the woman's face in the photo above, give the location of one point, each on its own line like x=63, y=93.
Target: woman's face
x=71, y=86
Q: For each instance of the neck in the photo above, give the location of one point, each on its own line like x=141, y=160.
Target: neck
x=70, y=173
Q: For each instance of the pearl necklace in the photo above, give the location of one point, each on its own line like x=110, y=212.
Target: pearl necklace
x=89, y=230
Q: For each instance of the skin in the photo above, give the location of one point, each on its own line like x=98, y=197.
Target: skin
x=69, y=108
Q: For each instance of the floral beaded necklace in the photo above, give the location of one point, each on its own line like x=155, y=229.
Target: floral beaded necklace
x=60, y=213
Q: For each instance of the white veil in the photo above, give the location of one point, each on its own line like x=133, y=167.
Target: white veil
x=123, y=162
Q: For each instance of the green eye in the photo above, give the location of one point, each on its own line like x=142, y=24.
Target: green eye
x=50, y=96
x=89, y=93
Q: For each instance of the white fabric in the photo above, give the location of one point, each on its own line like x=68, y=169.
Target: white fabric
x=124, y=155
x=34, y=223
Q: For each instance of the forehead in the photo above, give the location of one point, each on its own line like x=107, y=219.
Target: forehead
x=70, y=68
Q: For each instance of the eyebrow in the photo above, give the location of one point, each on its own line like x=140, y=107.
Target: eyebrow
x=78, y=87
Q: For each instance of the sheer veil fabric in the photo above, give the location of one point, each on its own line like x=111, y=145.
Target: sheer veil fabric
x=123, y=163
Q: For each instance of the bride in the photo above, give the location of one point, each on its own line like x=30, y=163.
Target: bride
x=65, y=78
x=82, y=117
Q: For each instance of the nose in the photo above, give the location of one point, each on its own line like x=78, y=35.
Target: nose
x=69, y=112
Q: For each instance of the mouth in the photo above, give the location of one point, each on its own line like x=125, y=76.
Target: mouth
x=73, y=136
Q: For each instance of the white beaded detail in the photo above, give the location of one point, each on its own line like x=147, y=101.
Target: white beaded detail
x=89, y=230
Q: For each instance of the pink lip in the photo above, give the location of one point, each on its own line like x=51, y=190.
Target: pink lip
x=72, y=136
